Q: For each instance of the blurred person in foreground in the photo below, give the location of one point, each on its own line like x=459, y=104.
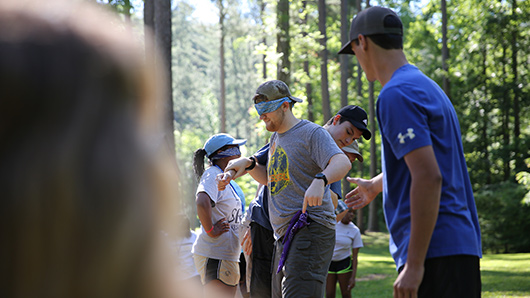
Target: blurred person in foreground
x=427, y=196
x=83, y=195
x=181, y=247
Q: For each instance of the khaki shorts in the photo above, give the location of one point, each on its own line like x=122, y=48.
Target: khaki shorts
x=211, y=269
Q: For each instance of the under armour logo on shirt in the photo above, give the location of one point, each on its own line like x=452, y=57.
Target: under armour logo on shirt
x=410, y=134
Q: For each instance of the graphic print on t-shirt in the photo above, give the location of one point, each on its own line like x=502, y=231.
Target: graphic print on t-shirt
x=410, y=134
x=278, y=169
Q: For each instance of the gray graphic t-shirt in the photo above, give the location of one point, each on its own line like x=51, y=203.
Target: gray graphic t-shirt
x=295, y=157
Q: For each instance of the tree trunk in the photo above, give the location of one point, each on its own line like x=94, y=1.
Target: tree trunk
x=222, y=98
x=149, y=27
x=308, y=85
x=360, y=220
x=326, y=108
x=344, y=59
x=359, y=69
x=373, y=219
x=344, y=67
x=162, y=27
x=283, y=42
x=264, y=40
x=519, y=162
x=505, y=115
x=445, y=51
x=360, y=213
x=485, y=119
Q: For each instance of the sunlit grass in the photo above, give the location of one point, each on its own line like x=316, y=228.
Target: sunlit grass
x=503, y=275
x=376, y=271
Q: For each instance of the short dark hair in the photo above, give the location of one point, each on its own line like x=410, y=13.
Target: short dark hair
x=388, y=41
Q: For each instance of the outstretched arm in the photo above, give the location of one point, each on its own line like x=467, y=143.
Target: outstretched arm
x=365, y=192
x=237, y=168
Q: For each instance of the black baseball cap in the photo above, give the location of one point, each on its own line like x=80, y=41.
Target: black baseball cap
x=368, y=22
x=358, y=117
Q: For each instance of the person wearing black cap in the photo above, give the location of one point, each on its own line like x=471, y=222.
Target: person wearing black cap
x=429, y=205
x=357, y=117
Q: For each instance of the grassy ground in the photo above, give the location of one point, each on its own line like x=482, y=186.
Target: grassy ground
x=503, y=275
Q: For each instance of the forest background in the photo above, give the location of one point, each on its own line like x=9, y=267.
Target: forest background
x=478, y=51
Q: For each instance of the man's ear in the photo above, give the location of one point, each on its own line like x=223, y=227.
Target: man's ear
x=336, y=119
x=363, y=42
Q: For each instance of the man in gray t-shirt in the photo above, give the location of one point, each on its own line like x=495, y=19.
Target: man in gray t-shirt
x=303, y=161
x=294, y=159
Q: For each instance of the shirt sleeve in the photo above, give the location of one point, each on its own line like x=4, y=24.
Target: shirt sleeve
x=403, y=119
x=208, y=184
x=336, y=187
x=357, y=241
x=326, y=149
x=262, y=155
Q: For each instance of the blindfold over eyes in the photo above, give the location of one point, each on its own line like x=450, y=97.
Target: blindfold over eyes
x=226, y=153
x=270, y=106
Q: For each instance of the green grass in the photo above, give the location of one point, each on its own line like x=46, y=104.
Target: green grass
x=376, y=271
x=503, y=275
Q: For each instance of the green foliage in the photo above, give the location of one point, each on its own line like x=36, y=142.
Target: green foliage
x=120, y=6
x=483, y=56
x=488, y=70
x=504, y=221
x=524, y=179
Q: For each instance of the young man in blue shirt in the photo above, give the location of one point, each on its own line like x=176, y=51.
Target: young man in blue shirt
x=428, y=201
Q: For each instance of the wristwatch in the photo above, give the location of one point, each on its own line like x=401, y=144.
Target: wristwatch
x=323, y=177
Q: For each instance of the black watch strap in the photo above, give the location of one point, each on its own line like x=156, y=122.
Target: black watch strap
x=323, y=177
x=252, y=165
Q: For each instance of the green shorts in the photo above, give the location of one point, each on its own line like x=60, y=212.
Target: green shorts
x=341, y=267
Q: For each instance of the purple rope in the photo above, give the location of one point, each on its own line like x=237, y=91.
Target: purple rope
x=298, y=221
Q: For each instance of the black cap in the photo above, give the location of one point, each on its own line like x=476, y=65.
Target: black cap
x=358, y=117
x=369, y=22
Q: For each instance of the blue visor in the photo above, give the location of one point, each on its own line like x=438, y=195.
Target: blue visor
x=270, y=106
x=226, y=153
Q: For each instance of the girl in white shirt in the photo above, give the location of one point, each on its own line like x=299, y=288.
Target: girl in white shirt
x=343, y=267
x=217, y=249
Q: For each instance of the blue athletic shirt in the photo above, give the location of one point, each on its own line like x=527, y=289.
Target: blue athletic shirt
x=414, y=112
